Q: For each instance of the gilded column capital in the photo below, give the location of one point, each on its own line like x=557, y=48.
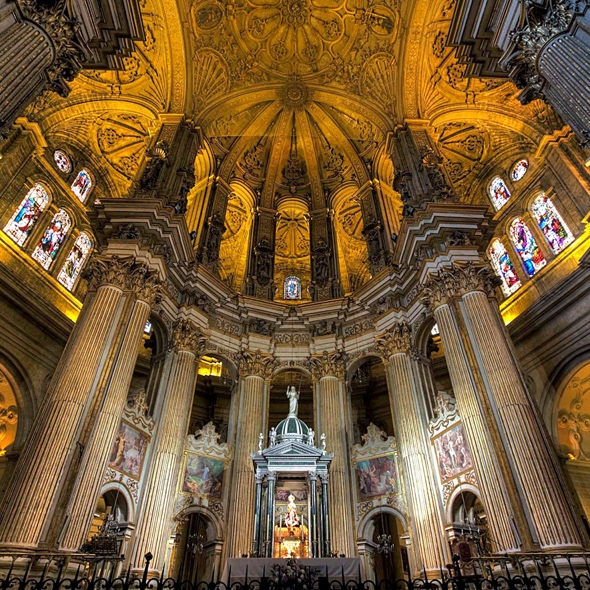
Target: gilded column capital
x=458, y=280
x=108, y=271
x=257, y=364
x=397, y=340
x=328, y=365
x=144, y=283
x=187, y=337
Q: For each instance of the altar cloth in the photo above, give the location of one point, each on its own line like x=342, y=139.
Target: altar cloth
x=257, y=567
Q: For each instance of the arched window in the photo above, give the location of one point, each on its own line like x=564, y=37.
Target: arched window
x=551, y=224
x=503, y=266
x=62, y=161
x=519, y=170
x=20, y=225
x=499, y=193
x=526, y=246
x=292, y=288
x=54, y=235
x=75, y=261
x=82, y=186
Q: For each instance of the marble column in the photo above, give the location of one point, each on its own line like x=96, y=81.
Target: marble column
x=488, y=470
x=53, y=443
x=409, y=415
x=254, y=370
x=154, y=526
x=328, y=372
x=271, y=479
x=313, y=513
x=540, y=483
x=325, y=516
x=256, y=548
x=112, y=398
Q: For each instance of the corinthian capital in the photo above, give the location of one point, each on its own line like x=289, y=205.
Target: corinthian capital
x=257, y=364
x=329, y=365
x=187, y=337
x=456, y=281
x=397, y=340
x=144, y=283
x=108, y=271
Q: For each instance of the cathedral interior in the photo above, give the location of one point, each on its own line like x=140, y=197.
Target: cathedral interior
x=294, y=278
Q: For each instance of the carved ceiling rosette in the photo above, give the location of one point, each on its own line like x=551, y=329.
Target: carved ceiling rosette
x=328, y=365
x=396, y=341
x=457, y=280
x=257, y=364
x=186, y=337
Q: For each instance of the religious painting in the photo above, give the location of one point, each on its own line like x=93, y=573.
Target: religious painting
x=377, y=476
x=21, y=224
x=452, y=453
x=128, y=450
x=499, y=193
x=203, y=476
x=503, y=266
x=82, y=185
x=73, y=264
x=526, y=246
x=282, y=494
x=551, y=224
x=52, y=239
x=292, y=288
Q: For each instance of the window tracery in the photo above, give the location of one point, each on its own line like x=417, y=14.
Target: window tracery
x=52, y=239
x=82, y=185
x=26, y=215
x=498, y=192
x=551, y=223
x=526, y=246
x=292, y=288
x=503, y=266
x=519, y=169
x=75, y=261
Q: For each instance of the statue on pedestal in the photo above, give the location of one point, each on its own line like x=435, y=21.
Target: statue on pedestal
x=293, y=397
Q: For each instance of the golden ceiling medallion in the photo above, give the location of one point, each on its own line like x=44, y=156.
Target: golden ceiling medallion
x=295, y=95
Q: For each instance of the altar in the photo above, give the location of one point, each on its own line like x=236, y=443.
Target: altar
x=244, y=570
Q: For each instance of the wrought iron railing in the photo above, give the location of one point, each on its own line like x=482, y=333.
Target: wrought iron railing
x=501, y=572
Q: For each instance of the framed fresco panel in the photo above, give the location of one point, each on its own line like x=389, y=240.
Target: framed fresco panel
x=203, y=476
x=128, y=451
x=377, y=476
x=452, y=453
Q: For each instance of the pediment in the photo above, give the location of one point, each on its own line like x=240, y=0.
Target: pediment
x=291, y=449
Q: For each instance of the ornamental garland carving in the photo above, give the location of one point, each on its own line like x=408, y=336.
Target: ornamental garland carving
x=186, y=337
x=328, y=365
x=137, y=412
x=257, y=364
x=458, y=280
x=397, y=340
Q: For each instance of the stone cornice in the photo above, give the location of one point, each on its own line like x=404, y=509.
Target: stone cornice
x=328, y=365
x=458, y=280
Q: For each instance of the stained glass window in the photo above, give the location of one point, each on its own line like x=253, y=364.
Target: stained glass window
x=54, y=235
x=551, y=224
x=503, y=266
x=62, y=161
x=519, y=170
x=499, y=193
x=526, y=246
x=20, y=225
x=75, y=261
x=292, y=288
x=82, y=186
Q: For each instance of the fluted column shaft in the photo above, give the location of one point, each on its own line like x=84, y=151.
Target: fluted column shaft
x=271, y=478
x=332, y=423
x=533, y=459
x=45, y=461
x=154, y=526
x=250, y=422
x=494, y=494
x=96, y=454
x=425, y=504
x=313, y=513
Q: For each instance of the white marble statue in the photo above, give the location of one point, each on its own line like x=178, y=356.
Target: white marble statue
x=323, y=442
x=293, y=397
x=272, y=436
x=260, y=442
x=311, y=438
